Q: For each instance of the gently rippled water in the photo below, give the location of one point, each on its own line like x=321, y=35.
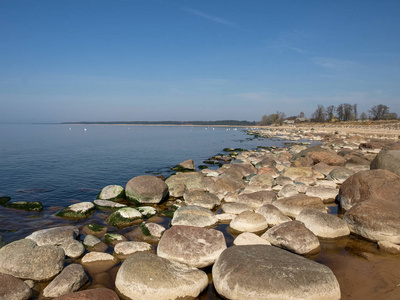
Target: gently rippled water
x=63, y=164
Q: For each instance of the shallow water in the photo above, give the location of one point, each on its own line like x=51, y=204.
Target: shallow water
x=60, y=166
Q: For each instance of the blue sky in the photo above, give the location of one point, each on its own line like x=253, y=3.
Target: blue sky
x=95, y=60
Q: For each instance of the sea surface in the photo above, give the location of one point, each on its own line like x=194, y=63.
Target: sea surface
x=63, y=164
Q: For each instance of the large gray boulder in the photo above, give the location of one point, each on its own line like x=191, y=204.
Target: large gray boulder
x=293, y=236
x=376, y=219
x=12, y=288
x=257, y=199
x=226, y=185
x=26, y=260
x=327, y=194
x=272, y=214
x=235, y=208
x=201, y=198
x=193, y=215
x=194, y=246
x=323, y=225
x=71, y=279
x=54, y=236
x=292, y=206
x=377, y=184
x=146, y=189
x=388, y=158
x=340, y=174
x=177, y=184
x=149, y=277
x=267, y=272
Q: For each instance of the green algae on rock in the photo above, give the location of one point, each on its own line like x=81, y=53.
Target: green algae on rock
x=81, y=210
x=123, y=217
x=25, y=205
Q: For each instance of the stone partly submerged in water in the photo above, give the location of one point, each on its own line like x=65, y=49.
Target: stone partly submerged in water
x=185, y=166
x=194, y=246
x=193, y=215
x=146, y=189
x=107, y=204
x=54, y=236
x=81, y=210
x=293, y=236
x=26, y=260
x=112, y=193
x=25, y=205
x=267, y=272
x=147, y=276
x=4, y=200
x=124, y=217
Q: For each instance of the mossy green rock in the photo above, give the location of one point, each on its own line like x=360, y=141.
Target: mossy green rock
x=4, y=200
x=147, y=211
x=124, y=217
x=81, y=210
x=95, y=229
x=24, y=205
x=112, y=192
x=185, y=166
x=113, y=238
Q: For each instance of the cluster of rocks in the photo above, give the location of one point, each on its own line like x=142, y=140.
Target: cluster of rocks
x=276, y=202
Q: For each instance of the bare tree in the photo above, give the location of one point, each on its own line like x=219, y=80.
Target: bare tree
x=347, y=111
x=355, y=112
x=340, y=112
x=319, y=114
x=330, y=113
x=301, y=115
x=379, y=112
x=363, y=116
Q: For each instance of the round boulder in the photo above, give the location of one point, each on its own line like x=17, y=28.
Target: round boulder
x=193, y=215
x=266, y=272
x=26, y=260
x=249, y=221
x=195, y=246
x=293, y=236
x=12, y=288
x=201, y=198
x=147, y=276
x=112, y=192
x=146, y=189
x=323, y=225
x=388, y=158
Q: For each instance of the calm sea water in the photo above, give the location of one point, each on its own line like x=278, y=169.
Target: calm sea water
x=63, y=164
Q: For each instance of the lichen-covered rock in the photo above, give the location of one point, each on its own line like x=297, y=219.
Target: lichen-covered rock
x=124, y=217
x=113, y=239
x=147, y=276
x=95, y=229
x=73, y=248
x=112, y=192
x=125, y=249
x=193, y=215
x=92, y=243
x=194, y=246
x=266, y=272
x=72, y=278
x=147, y=211
x=107, y=204
x=26, y=260
x=257, y=199
x=146, y=189
x=54, y=236
x=12, y=288
x=81, y=210
x=293, y=236
x=201, y=198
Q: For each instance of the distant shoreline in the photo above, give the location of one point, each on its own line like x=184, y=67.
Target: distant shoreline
x=219, y=123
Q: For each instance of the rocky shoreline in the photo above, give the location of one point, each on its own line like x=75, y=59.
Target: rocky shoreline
x=268, y=224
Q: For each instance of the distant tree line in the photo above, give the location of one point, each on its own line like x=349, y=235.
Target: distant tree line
x=349, y=112
x=343, y=112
